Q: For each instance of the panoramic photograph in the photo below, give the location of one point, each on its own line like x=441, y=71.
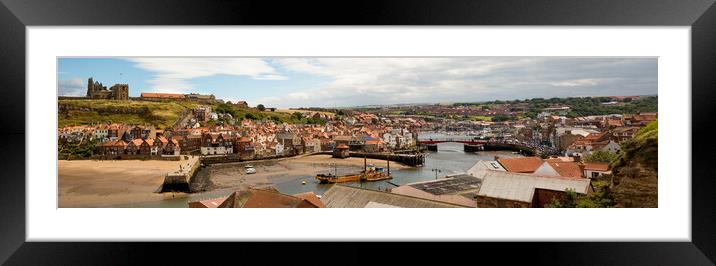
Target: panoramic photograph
x=357, y=132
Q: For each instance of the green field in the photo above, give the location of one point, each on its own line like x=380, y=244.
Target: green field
x=481, y=118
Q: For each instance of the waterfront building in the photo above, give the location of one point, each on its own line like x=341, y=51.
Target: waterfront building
x=341, y=151
x=100, y=133
x=216, y=144
x=340, y=196
x=506, y=189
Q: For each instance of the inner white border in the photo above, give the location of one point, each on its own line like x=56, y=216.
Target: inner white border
x=671, y=221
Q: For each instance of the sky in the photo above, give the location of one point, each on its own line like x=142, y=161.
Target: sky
x=344, y=82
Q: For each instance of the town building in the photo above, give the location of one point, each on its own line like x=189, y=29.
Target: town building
x=501, y=189
x=341, y=196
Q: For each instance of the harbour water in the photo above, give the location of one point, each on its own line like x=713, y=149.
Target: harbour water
x=450, y=159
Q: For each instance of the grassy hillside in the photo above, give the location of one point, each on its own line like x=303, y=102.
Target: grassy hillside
x=636, y=169
x=277, y=116
x=84, y=112
x=159, y=114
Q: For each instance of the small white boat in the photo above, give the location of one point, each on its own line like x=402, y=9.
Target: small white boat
x=250, y=170
x=303, y=182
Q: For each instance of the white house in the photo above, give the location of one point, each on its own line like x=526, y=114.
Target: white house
x=209, y=150
x=592, y=170
x=279, y=149
x=100, y=134
x=389, y=140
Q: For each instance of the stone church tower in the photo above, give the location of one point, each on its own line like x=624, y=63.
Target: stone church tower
x=96, y=90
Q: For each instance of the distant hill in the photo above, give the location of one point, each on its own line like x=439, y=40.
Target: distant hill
x=86, y=112
x=161, y=114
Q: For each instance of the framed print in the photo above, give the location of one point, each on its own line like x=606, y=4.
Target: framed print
x=424, y=122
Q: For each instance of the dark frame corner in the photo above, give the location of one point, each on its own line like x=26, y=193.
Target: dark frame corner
x=15, y=15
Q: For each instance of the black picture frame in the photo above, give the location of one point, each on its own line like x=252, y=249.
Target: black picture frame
x=15, y=15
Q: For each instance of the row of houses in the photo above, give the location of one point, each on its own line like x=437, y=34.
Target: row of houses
x=149, y=147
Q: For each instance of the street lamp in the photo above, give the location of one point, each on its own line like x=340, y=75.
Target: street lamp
x=436, y=172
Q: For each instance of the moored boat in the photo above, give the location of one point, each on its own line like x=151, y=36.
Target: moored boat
x=369, y=174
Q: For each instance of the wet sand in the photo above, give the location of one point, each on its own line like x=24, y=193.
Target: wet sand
x=86, y=183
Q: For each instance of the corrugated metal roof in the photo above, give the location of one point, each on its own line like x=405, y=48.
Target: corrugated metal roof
x=374, y=204
x=520, y=187
x=458, y=183
x=340, y=196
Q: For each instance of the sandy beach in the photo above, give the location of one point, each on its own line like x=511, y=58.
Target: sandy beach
x=87, y=183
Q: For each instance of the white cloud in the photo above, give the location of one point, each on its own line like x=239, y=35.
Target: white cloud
x=175, y=74
x=364, y=81
x=72, y=87
x=576, y=83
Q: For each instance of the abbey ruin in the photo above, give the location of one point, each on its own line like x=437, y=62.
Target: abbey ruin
x=95, y=90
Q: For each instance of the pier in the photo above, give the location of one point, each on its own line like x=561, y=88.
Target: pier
x=179, y=180
x=417, y=159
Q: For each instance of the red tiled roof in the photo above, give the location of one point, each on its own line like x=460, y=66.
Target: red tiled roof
x=312, y=198
x=596, y=166
x=567, y=169
x=520, y=164
x=210, y=203
x=162, y=95
x=255, y=198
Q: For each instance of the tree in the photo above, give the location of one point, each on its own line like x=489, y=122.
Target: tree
x=601, y=156
x=569, y=200
x=250, y=116
x=275, y=118
x=297, y=115
x=261, y=107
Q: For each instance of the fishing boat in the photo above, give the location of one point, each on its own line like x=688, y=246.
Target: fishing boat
x=369, y=174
